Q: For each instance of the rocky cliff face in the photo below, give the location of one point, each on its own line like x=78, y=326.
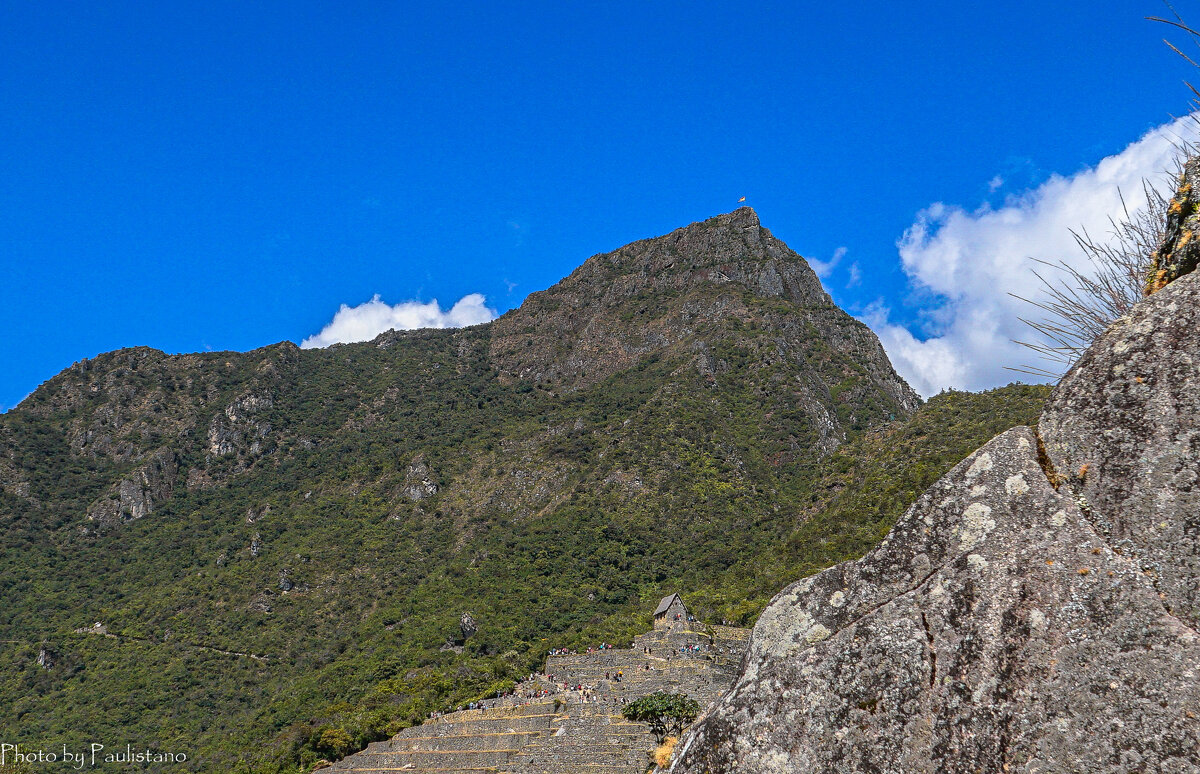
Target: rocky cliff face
x=675, y=293
x=1036, y=610
x=135, y=495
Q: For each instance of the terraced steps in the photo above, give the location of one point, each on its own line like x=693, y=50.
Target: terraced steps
x=568, y=731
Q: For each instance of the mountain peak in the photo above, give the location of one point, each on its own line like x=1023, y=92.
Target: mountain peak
x=676, y=296
x=742, y=216
x=732, y=247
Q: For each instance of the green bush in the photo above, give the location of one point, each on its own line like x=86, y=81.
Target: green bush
x=667, y=714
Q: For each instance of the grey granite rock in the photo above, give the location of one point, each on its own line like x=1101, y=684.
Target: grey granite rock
x=1123, y=432
x=1027, y=614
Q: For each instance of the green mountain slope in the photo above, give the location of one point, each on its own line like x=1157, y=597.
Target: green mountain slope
x=263, y=558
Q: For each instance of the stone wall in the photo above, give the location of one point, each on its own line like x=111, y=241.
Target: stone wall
x=577, y=728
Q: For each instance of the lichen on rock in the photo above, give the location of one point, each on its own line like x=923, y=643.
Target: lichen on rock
x=1179, y=252
x=1135, y=430
x=1035, y=610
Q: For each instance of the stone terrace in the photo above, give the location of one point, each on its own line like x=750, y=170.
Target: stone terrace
x=572, y=730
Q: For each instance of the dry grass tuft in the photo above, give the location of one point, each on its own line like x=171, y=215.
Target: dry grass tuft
x=1079, y=301
x=662, y=753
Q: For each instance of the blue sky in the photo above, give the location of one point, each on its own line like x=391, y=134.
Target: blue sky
x=227, y=175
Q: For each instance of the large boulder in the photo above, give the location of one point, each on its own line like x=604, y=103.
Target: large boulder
x=1122, y=431
x=1027, y=614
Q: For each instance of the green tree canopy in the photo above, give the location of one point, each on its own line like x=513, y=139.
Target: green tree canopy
x=667, y=713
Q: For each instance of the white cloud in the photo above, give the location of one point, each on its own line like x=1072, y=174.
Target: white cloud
x=969, y=262
x=366, y=321
x=825, y=268
x=855, y=275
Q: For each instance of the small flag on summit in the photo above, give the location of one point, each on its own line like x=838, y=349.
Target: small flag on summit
x=741, y=200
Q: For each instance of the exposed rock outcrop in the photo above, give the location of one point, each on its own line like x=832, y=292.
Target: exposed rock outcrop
x=239, y=429
x=467, y=625
x=136, y=495
x=46, y=658
x=1035, y=610
x=418, y=481
x=1179, y=253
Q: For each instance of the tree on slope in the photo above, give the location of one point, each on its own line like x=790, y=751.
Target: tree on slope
x=666, y=713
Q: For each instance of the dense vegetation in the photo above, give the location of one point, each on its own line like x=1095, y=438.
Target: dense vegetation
x=367, y=638
x=319, y=521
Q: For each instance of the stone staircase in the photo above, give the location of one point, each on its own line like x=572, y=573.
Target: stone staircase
x=471, y=740
x=570, y=731
x=588, y=739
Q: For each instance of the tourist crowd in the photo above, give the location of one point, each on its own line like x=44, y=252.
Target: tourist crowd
x=569, y=652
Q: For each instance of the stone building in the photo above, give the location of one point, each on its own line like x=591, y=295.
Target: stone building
x=669, y=610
